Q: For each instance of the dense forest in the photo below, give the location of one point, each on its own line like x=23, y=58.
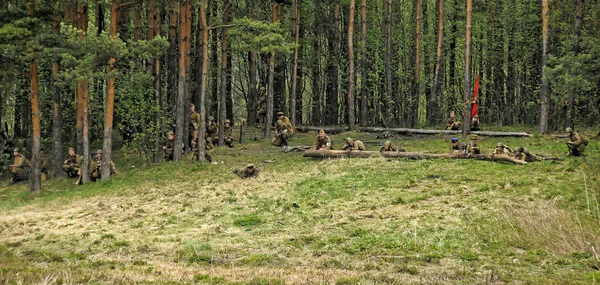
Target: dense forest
x=79, y=73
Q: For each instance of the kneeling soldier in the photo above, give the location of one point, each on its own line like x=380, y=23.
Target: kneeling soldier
x=282, y=134
x=170, y=146
x=96, y=167
x=20, y=168
x=576, y=143
x=228, y=134
x=72, y=164
x=353, y=145
x=472, y=148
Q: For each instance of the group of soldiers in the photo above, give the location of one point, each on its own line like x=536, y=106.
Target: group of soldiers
x=21, y=167
x=454, y=124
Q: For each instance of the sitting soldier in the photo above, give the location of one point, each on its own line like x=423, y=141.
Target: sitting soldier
x=96, y=167
x=248, y=172
x=72, y=164
x=353, y=145
x=576, y=143
x=212, y=129
x=501, y=149
x=322, y=142
x=20, y=168
x=472, y=148
x=388, y=146
x=456, y=146
x=282, y=134
x=228, y=134
x=452, y=123
x=170, y=146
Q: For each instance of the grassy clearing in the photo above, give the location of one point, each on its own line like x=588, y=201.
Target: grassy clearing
x=345, y=221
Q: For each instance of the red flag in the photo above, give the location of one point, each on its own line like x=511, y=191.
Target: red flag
x=475, y=92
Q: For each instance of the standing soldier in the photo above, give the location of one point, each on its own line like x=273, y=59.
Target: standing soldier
x=472, y=148
x=576, y=143
x=282, y=134
x=286, y=121
x=322, y=142
x=170, y=146
x=72, y=164
x=501, y=149
x=248, y=172
x=453, y=123
x=261, y=110
x=353, y=145
x=228, y=134
x=96, y=167
x=212, y=129
x=20, y=168
x=194, y=121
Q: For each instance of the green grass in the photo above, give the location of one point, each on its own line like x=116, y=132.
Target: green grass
x=338, y=221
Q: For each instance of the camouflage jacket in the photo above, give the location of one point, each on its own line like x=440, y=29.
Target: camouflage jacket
x=194, y=121
x=322, y=143
x=75, y=160
x=356, y=145
x=391, y=148
x=21, y=162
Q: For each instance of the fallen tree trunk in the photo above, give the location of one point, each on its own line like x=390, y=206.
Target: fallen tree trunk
x=409, y=155
x=329, y=130
x=299, y=148
x=406, y=131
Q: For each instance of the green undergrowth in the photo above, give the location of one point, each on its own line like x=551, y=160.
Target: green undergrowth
x=332, y=221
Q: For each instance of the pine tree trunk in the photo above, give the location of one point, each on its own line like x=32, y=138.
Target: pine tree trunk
x=203, y=84
x=333, y=68
x=417, y=76
x=184, y=37
x=271, y=89
x=214, y=64
x=57, y=151
x=434, y=102
x=570, y=116
x=467, y=93
x=364, y=110
x=389, y=109
x=154, y=69
x=83, y=96
x=544, y=91
x=36, y=170
x=296, y=33
x=137, y=32
x=223, y=95
x=110, y=97
x=350, y=99
x=171, y=58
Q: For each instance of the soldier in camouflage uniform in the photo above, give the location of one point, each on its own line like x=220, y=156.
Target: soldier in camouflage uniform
x=282, y=134
x=194, y=121
x=472, y=148
x=322, y=142
x=212, y=130
x=20, y=168
x=170, y=146
x=452, y=123
x=96, y=167
x=576, y=143
x=286, y=121
x=72, y=164
x=388, y=146
x=228, y=134
x=501, y=149
x=353, y=145
x=249, y=172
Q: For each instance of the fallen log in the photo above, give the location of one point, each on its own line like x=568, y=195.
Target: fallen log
x=299, y=148
x=404, y=131
x=329, y=130
x=501, y=134
x=409, y=155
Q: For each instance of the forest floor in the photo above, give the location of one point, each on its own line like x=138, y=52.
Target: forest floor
x=307, y=221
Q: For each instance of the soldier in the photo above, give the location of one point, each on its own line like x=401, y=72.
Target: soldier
x=72, y=164
x=455, y=145
x=453, y=123
x=322, y=142
x=248, y=172
x=207, y=146
x=212, y=129
x=170, y=146
x=388, y=146
x=576, y=143
x=282, y=134
x=20, y=168
x=96, y=167
x=353, y=145
x=194, y=121
x=228, y=134
x=286, y=121
x=472, y=148
x=261, y=110
x=501, y=149
x=475, y=123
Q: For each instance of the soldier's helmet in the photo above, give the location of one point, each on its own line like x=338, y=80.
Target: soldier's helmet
x=250, y=166
x=192, y=106
x=227, y=121
x=569, y=130
x=387, y=143
x=263, y=89
x=499, y=144
x=473, y=137
x=211, y=118
x=349, y=140
x=170, y=133
x=209, y=140
x=454, y=139
x=279, y=113
x=16, y=149
x=99, y=151
x=71, y=148
x=519, y=149
x=279, y=123
x=321, y=131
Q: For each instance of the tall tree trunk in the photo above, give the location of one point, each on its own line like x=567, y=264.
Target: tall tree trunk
x=252, y=99
x=154, y=69
x=576, y=49
x=451, y=82
x=271, y=89
x=333, y=68
x=417, y=76
x=388, y=62
x=36, y=170
x=137, y=32
x=198, y=62
x=229, y=97
x=434, y=98
x=467, y=94
x=214, y=64
x=187, y=46
x=203, y=81
x=364, y=111
x=110, y=96
x=350, y=98
x=57, y=151
x=172, y=57
x=296, y=28
x=184, y=37
x=223, y=95
x=83, y=97
x=544, y=91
